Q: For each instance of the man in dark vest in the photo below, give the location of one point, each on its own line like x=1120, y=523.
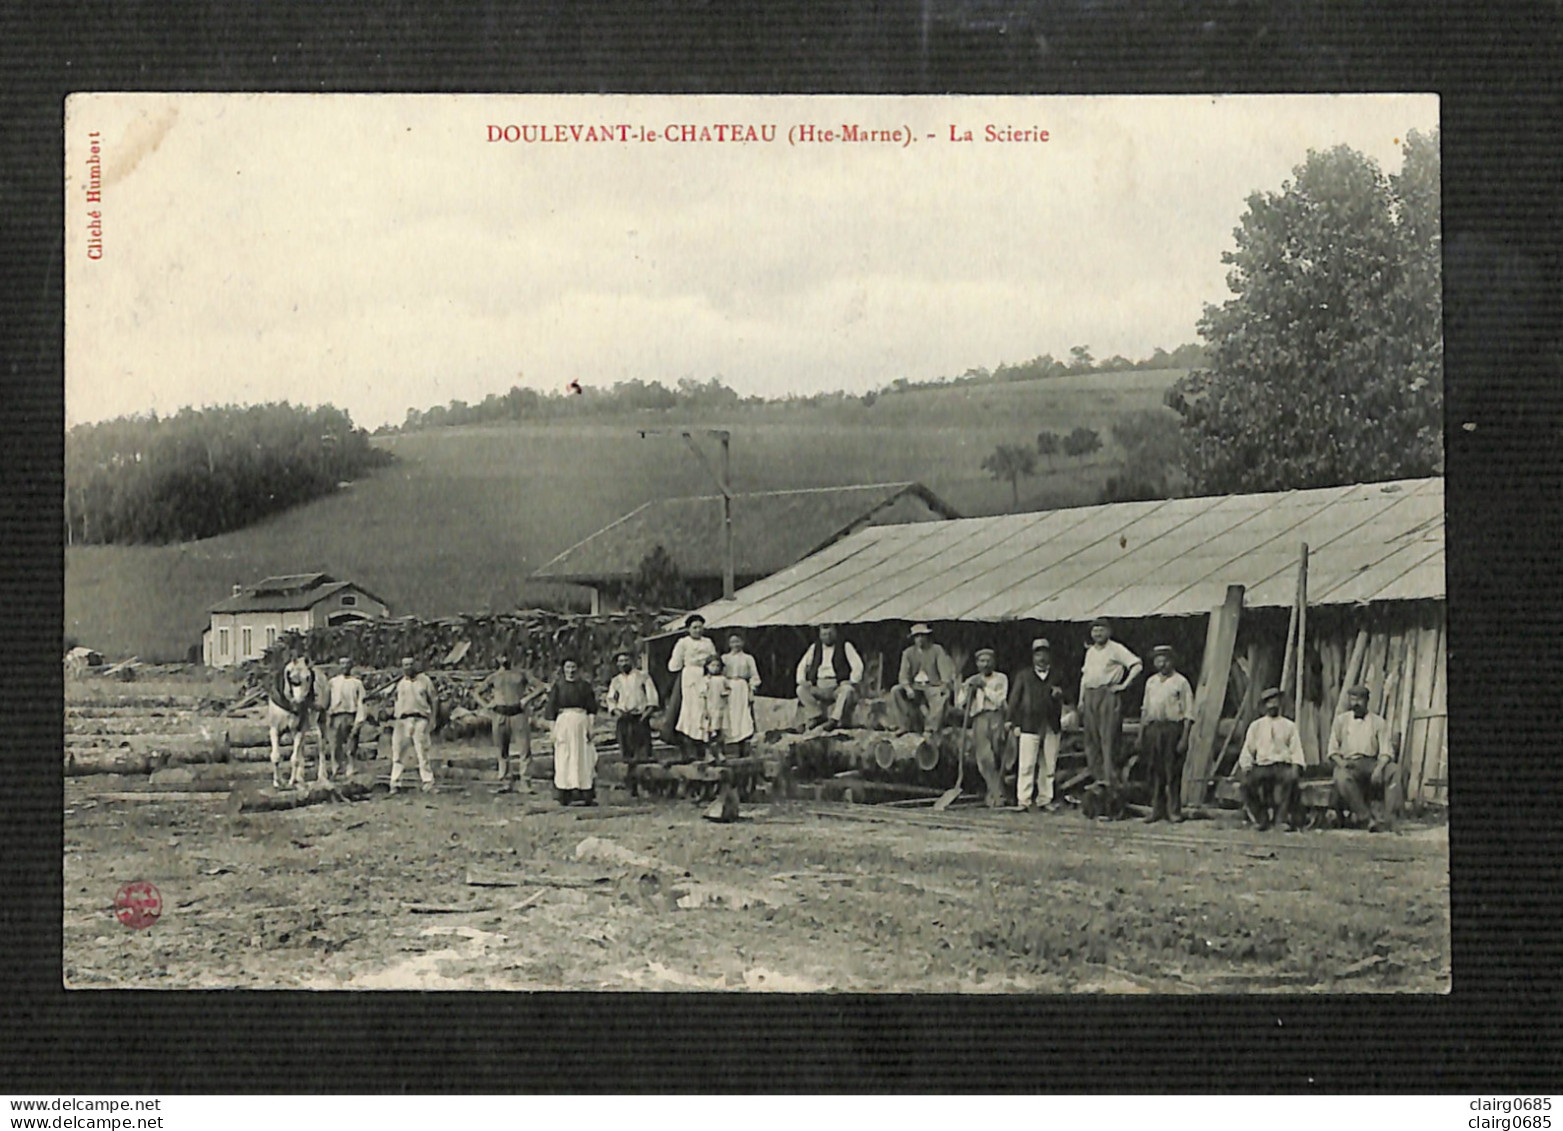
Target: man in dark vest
x=828, y=679
x=1036, y=708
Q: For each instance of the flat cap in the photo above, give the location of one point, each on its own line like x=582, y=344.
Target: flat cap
x=921, y=629
x=1270, y=693
x=1041, y=644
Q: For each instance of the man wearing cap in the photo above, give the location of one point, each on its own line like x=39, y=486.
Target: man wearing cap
x=1361, y=751
x=417, y=703
x=984, y=697
x=1271, y=761
x=504, y=693
x=632, y=697
x=346, y=708
x=828, y=679
x=925, y=685
x=1036, y=707
x=1107, y=672
x=1166, y=716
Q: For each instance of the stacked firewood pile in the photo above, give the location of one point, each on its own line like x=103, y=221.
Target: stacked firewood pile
x=536, y=640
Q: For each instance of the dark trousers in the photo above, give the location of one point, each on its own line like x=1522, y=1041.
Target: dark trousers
x=507, y=727
x=1159, y=747
x=1270, y=793
x=1101, y=715
x=1354, y=785
x=634, y=735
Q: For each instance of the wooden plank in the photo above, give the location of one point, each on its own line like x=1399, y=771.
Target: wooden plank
x=1435, y=754
x=1373, y=671
x=1359, y=652
x=1401, y=735
x=1421, y=698
x=1210, y=695
x=1302, y=632
x=1395, y=660
x=1308, y=730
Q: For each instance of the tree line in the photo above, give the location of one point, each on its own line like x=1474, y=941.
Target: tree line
x=1325, y=367
x=205, y=471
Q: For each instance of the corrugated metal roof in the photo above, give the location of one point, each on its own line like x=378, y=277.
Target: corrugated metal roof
x=771, y=530
x=1367, y=542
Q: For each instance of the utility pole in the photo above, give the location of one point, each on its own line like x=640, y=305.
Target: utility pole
x=723, y=477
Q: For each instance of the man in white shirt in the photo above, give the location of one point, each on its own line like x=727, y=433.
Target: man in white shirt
x=1270, y=764
x=416, y=710
x=1107, y=672
x=346, y=709
x=1361, y=751
x=631, y=699
x=828, y=679
x=984, y=697
x=1166, y=716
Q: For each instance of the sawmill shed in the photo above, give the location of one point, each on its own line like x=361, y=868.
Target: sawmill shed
x=1217, y=577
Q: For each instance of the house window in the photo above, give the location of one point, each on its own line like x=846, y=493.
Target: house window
x=348, y=600
x=248, y=641
x=271, y=635
x=222, y=641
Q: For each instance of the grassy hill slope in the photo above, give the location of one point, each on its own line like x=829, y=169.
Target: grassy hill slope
x=459, y=523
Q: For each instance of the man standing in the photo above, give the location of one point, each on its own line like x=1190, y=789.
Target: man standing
x=504, y=694
x=925, y=685
x=416, y=706
x=1036, y=707
x=984, y=697
x=828, y=679
x=1108, y=671
x=1361, y=752
x=346, y=708
x=632, y=697
x=1166, y=717
x=1270, y=764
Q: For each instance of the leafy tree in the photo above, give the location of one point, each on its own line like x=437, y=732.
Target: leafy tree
x=1048, y=445
x=1080, y=359
x=1326, y=367
x=1082, y=442
x=657, y=583
x=1152, y=443
x=1009, y=463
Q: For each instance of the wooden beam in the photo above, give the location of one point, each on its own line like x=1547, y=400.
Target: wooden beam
x=1214, y=672
x=1301, y=666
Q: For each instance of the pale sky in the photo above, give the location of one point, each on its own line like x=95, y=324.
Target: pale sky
x=378, y=252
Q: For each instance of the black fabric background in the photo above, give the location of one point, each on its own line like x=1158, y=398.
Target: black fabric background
x=1497, y=70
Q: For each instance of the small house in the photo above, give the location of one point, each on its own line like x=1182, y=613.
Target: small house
x=249, y=621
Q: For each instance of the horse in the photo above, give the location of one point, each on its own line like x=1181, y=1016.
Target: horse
x=296, y=703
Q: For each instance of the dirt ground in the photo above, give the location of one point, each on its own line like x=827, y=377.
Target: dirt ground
x=795, y=896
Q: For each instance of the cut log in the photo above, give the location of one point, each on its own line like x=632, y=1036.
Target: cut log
x=252, y=798
x=1210, y=696
x=81, y=763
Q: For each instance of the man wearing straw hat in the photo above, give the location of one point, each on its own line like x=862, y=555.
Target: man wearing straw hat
x=925, y=685
x=1361, y=753
x=1270, y=764
x=1107, y=672
x=1166, y=716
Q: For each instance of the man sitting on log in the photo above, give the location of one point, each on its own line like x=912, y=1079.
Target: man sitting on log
x=1361, y=753
x=984, y=697
x=828, y=679
x=1036, y=705
x=925, y=685
x=1270, y=765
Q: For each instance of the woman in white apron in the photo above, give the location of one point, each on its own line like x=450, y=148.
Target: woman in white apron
x=688, y=660
x=743, y=684
x=572, y=704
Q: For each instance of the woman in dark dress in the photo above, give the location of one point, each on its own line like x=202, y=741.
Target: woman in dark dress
x=572, y=706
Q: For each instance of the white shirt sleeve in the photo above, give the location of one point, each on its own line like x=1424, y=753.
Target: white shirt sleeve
x=803, y=665
x=854, y=663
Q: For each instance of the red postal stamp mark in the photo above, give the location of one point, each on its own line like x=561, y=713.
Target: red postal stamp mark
x=138, y=904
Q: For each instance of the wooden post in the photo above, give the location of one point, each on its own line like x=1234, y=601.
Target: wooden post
x=1301, y=667
x=1214, y=671
x=727, y=517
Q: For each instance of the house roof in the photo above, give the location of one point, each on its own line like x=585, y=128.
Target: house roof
x=1175, y=557
x=771, y=530
x=288, y=593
